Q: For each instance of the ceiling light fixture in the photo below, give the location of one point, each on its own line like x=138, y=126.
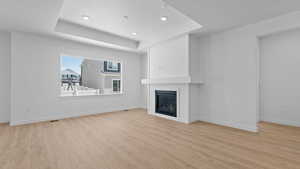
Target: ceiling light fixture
x=85, y=17
x=164, y=18
x=134, y=33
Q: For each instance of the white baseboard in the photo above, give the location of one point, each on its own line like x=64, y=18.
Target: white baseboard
x=3, y=122
x=4, y=119
x=283, y=122
x=251, y=128
x=58, y=117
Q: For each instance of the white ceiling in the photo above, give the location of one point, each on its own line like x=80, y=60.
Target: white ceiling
x=29, y=15
x=143, y=18
x=41, y=16
x=217, y=15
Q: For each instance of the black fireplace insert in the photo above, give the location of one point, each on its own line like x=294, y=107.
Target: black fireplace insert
x=166, y=102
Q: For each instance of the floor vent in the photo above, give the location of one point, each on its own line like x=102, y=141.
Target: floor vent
x=53, y=121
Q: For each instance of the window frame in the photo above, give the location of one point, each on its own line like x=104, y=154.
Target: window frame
x=111, y=59
x=120, y=85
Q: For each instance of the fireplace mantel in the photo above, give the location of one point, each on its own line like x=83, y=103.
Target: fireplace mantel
x=170, y=80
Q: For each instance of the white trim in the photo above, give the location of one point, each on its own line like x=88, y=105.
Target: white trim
x=235, y=125
x=177, y=104
x=4, y=121
x=294, y=123
x=112, y=84
x=61, y=117
x=170, y=80
x=80, y=96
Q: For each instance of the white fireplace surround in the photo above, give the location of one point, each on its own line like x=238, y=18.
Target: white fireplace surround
x=153, y=105
x=182, y=101
x=185, y=112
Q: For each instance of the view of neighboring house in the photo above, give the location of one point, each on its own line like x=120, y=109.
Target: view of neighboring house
x=97, y=76
x=70, y=75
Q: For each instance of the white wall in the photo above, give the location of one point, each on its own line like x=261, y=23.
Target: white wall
x=230, y=95
x=4, y=76
x=196, y=69
x=36, y=80
x=195, y=61
x=144, y=75
x=280, y=78
x=170, y=58
x=194, y=106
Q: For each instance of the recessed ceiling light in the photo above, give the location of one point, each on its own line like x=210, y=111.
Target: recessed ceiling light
x=85, y=17
x=164, y=18
x=134, y=33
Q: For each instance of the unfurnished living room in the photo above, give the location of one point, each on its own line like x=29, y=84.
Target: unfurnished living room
x=150, y=84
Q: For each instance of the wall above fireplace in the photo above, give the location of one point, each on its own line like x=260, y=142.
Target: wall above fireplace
x=175, y=61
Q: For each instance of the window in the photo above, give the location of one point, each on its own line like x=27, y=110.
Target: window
x=116, y=83
x=82, y=76
x=111, y=66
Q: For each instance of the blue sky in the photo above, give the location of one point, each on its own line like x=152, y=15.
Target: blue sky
x=69, y=62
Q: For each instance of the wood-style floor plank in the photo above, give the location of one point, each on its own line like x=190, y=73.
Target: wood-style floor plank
x=135, y=140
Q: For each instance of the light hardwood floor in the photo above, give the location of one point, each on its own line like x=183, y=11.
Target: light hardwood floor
x=135, y=140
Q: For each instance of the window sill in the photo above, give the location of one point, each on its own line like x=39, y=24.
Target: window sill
x=95, y=95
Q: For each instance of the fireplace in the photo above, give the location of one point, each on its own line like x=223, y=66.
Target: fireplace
x=166, y=102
